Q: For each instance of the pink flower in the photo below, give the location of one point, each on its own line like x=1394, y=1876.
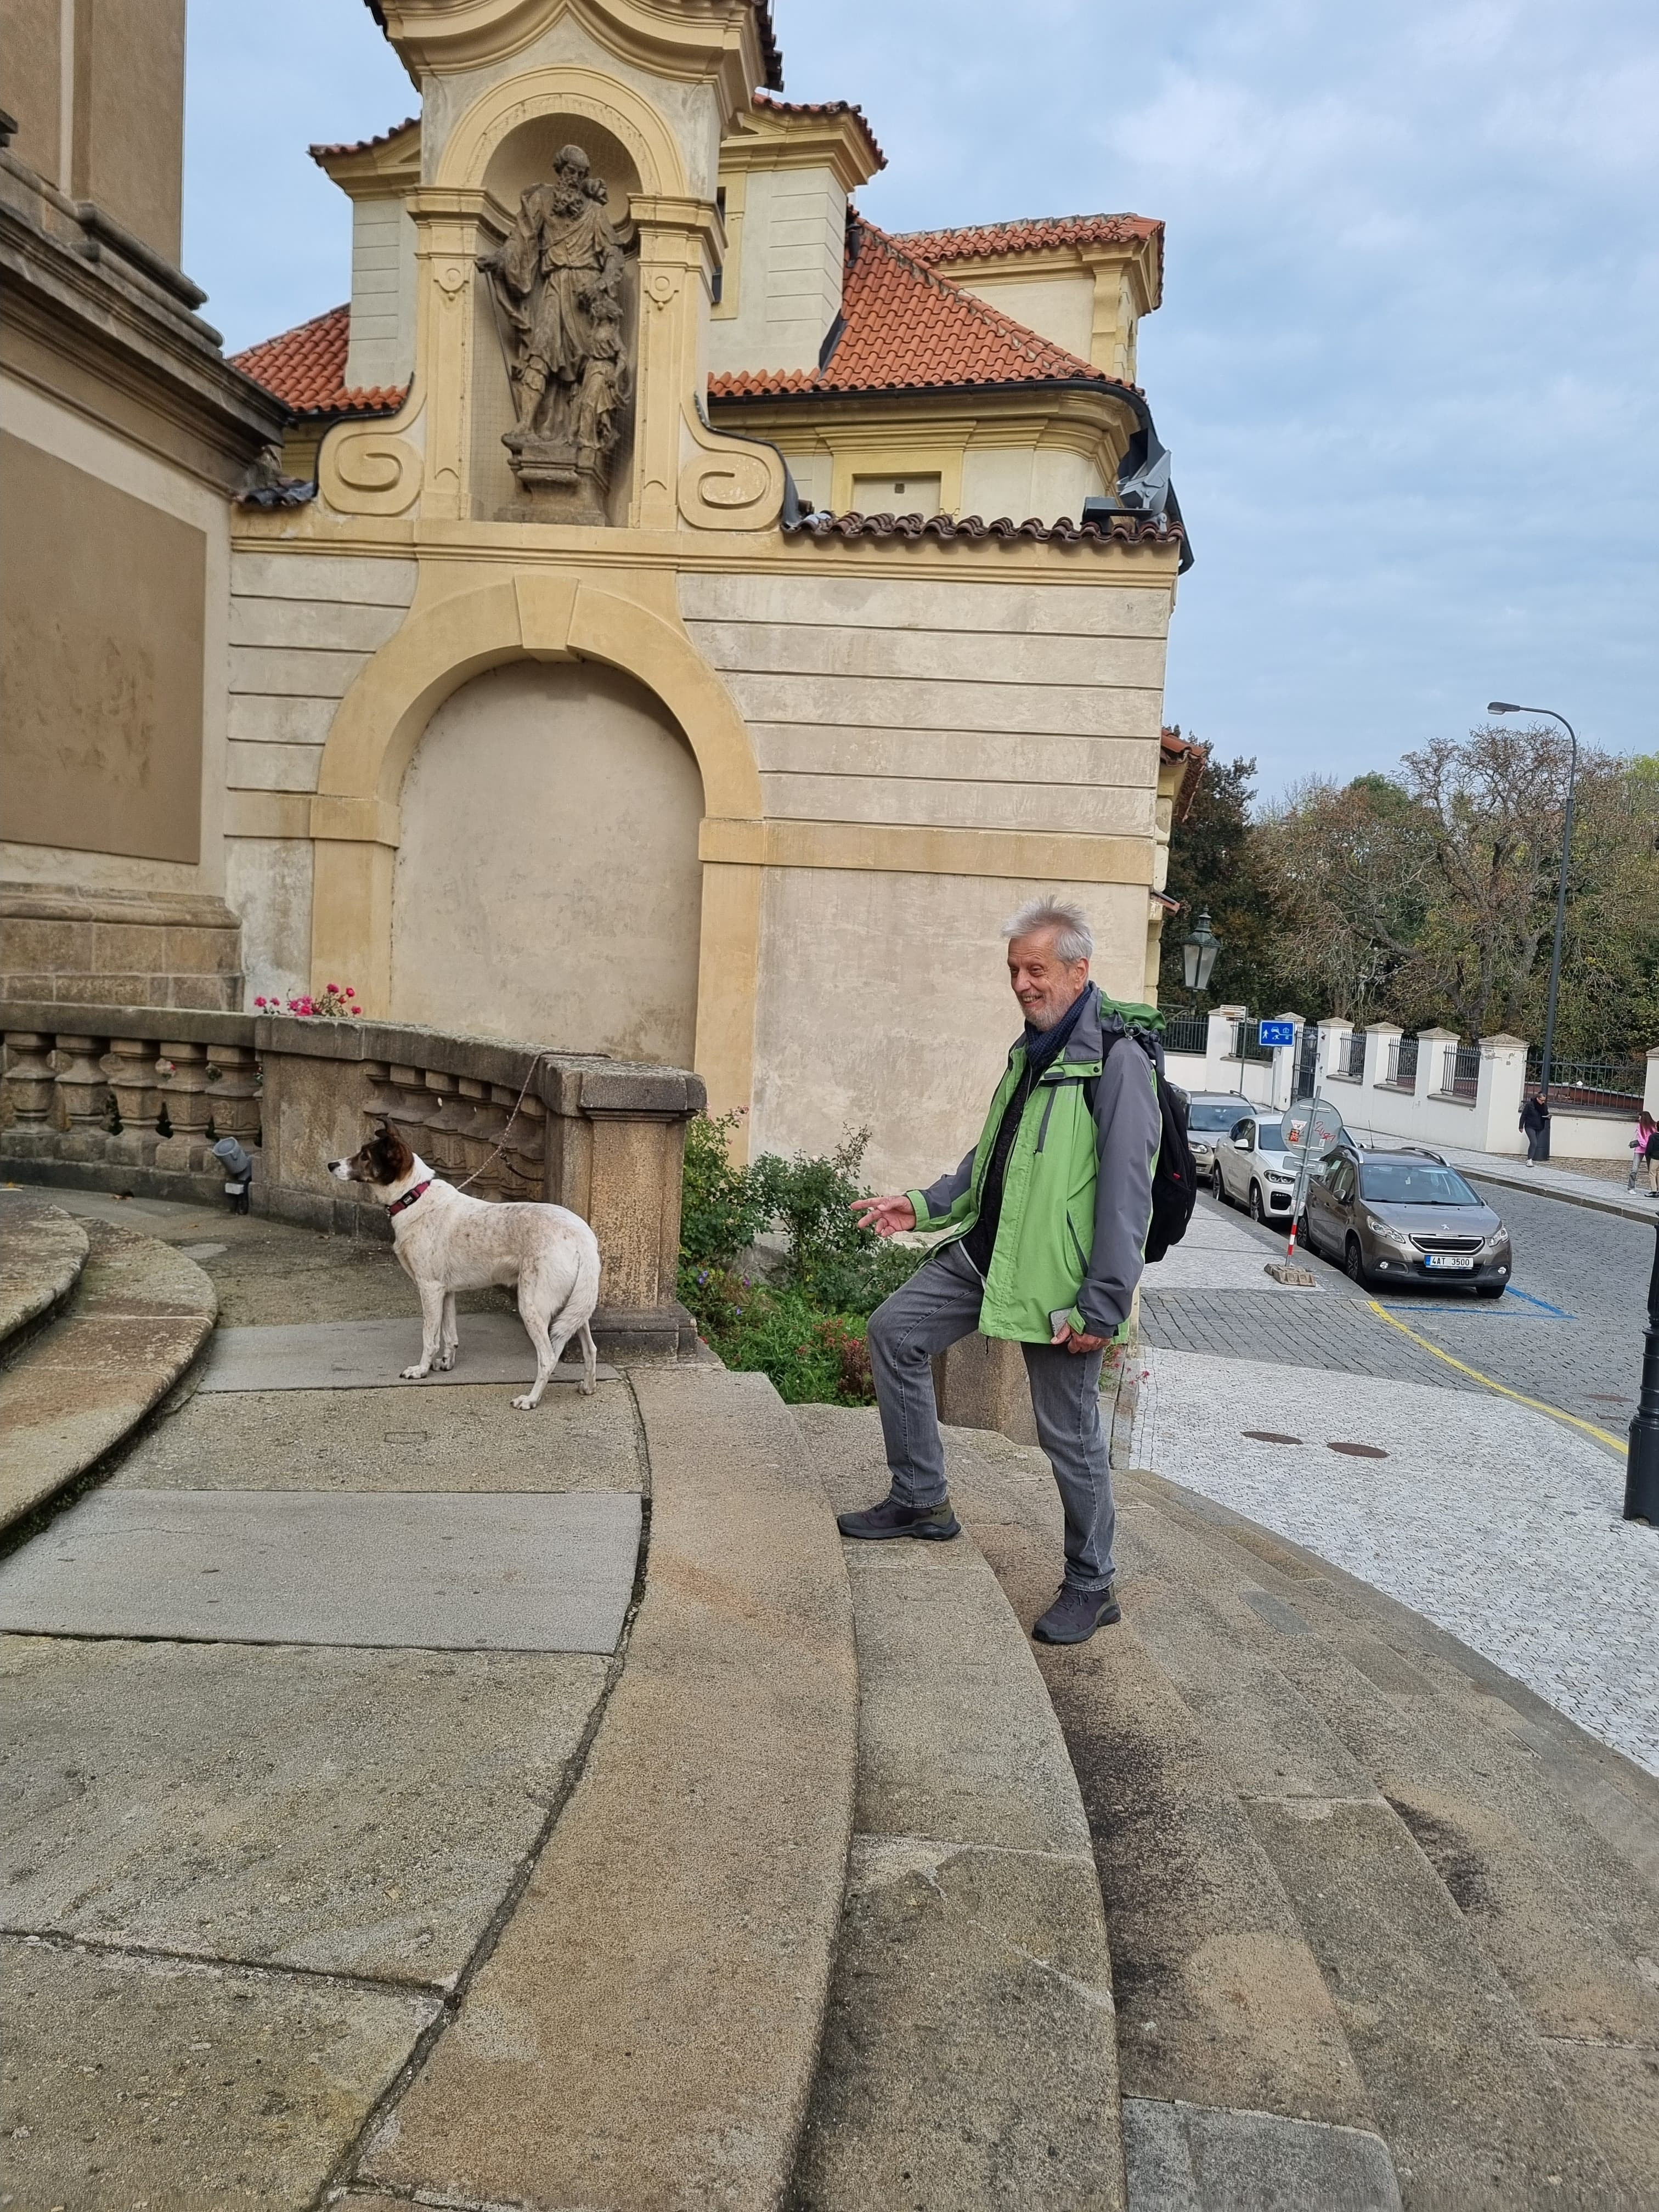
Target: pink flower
x=259, y=1002
x=349, y=993
x=333, y=987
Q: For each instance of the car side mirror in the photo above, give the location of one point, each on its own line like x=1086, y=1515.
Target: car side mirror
x=1238, y=1144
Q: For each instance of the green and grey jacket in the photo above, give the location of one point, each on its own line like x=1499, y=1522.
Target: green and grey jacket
x=1076, y=1196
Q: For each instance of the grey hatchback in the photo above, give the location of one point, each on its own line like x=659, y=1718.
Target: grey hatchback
x=1404, y=1216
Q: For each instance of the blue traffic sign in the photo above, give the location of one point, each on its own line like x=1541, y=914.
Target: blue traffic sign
x=1280, y=1033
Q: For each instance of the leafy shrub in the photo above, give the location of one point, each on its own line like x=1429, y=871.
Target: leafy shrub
x=806, y=1331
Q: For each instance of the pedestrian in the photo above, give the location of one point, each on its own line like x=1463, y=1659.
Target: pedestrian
x=1535, y=1127
x=1647, y=1148
x=1048, y=1218
x=1640, y=1149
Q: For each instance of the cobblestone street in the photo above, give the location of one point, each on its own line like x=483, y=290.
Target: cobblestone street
x=1568, y=1332
x=1499, y=1522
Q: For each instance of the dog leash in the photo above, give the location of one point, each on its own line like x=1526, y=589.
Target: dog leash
x=511, y=1119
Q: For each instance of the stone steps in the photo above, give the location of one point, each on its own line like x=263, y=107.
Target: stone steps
x=968, y=2057
x=107, y=1324
x=1380, y=1920
x=42, y=1252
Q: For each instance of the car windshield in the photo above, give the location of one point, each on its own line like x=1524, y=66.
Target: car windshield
x=1210, y=1119
x=1413, y=1182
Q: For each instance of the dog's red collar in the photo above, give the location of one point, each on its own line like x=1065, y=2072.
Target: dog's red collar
x=409, y=1198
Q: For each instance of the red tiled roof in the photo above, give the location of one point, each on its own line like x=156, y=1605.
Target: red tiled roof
x=306, y=367
x=1033, y=234
x=902, y=329
x=772, y=107
x=364, y=145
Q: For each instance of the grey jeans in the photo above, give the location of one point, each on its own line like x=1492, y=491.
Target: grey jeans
x=938, y=1307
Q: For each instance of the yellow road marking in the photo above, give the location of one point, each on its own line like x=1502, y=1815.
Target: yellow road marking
x=1502, y=1388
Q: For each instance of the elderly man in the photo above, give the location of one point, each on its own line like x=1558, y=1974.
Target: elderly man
x=1048, y=1218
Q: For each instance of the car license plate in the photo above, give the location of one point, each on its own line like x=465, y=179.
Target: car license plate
x=1448, y=1260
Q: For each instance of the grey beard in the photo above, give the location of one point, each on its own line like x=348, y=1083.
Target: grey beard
x=1043, y=1022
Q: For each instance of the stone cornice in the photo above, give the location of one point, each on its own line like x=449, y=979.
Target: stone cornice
x=374, y=172
x=70, y=304
x=1143, y=258
x=694, y=41
x=764, y=139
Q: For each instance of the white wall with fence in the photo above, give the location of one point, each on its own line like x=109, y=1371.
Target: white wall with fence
x=1432, y=1089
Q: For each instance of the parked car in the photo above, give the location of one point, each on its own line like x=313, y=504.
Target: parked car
x=1404, y=1216
x=1211, y=1116
x=1254, y=1170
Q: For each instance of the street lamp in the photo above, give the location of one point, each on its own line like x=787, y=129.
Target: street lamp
x=1197, y=953
x=1506, y=707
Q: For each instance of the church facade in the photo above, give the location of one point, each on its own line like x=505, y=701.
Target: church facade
x=619, y=659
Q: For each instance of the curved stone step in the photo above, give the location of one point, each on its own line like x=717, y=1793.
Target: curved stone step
x=42, y=1252
x=969, y=2059
x=138, y=1316
x=645, y=2032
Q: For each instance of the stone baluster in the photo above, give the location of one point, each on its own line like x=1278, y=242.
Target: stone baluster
x=484, y=1124
x=524, y=1153
x=444, y=1148
x=82, y=1090
x=130, y=1070
x=29, y=1079
x=234, y=1098
x=182, y=1073
x=410, y=1104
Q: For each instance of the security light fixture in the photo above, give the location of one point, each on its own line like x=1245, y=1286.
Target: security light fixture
x=1197, y=954
x=1501, y=707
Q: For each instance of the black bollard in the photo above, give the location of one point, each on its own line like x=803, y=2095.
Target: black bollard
x=1642, y=1469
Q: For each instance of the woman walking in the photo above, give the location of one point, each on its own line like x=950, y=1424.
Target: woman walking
x=1535, y=1127
x=1647, y=1151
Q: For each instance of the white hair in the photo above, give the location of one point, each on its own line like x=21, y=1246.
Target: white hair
x=1073, y=939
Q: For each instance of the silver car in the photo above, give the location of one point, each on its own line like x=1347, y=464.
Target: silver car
x=1211, y=1116
x=1404, y=1217
x=1253, y=1169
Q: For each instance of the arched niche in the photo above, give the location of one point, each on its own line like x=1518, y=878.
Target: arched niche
x=547, y=887
x=526, y=155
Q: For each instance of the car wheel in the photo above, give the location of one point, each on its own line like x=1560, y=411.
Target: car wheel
x=1256, y=1213
x=1354, y=1261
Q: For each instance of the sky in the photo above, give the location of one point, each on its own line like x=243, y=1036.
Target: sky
x=1405, y=358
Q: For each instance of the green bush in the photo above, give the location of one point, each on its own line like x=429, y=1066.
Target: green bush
x=806, y=1330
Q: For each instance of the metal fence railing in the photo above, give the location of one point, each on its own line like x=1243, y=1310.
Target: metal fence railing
x=1187, y=1033
x=1402, y=1065
x=1460, y=1075
x=1616, y=1085
x=1350, y=1063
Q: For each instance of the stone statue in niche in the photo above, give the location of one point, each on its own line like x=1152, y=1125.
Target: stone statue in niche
x=556, y=281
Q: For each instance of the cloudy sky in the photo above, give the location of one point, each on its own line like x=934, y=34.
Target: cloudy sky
x=1406, y=358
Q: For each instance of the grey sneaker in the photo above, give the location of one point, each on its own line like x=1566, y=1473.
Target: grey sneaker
x=1075, y=1614
x=879, y=1524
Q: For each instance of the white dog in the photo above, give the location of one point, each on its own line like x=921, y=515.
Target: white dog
x=446, y=1242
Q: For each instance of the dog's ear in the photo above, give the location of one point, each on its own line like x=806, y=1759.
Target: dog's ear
x=393, y=1156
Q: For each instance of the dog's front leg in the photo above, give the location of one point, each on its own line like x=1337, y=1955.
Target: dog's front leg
x=432, y=1327
x=450, y=1340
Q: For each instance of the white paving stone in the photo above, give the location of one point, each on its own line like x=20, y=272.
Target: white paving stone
x=1498, y=1524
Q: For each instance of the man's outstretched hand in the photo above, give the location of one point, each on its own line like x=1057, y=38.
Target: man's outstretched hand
x=886, y=1216
x=1073, y=1341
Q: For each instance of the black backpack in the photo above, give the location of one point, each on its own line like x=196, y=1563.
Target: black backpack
x=1175, y=1182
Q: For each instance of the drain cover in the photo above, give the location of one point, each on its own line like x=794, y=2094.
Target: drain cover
x=1268, y=1437
x=1358, y=1451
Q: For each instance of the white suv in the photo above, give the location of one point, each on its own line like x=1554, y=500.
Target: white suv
x=1254, y=1170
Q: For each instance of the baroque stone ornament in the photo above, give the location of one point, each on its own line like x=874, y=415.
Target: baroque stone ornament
x=556, y=283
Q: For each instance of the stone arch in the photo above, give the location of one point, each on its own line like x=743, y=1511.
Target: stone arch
x=354, y=816
x=583, y=94
x=547, y=886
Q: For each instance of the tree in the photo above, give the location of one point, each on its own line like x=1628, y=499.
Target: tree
x=1349, y=864
x=1216, y=862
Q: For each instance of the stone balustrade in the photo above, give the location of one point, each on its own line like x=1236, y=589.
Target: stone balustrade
x=132, y=1098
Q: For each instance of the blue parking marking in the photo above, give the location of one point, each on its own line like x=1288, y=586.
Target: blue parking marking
x=1560, y=1312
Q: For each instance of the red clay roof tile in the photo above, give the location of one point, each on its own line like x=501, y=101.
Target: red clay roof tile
x=904, y=329
x=1032, y=235
x=306, y=366
x=1121, y=529
x=364, y=145
x=773, y=107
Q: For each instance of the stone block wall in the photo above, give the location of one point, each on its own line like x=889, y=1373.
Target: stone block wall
x=144, y=948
